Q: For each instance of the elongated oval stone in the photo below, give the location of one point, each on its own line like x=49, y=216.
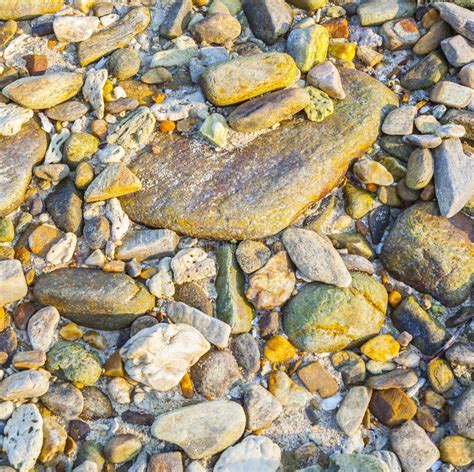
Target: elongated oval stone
x=93, y=298
x=246, y=77
x=25, y=9
x=257, y=190
x=44, y=91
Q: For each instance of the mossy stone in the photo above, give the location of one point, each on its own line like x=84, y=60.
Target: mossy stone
x=358, y=202
x=80, y=147
x=7, y=231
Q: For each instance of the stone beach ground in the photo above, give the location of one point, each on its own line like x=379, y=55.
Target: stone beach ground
x=236, y=235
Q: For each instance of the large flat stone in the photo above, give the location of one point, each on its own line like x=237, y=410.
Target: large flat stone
x=18, y=155
x=257, y=190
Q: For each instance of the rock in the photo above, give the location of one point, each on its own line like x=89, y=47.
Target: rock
x=193, y=295
x=26, y=9
x=119, y=221
x=419, y=230
x=192, y=264
x=24, y=436
x=202, y=429
x=279, y=349
x=368, y=56
x=351, y=366
x=63, y=399
x=97, y=232
x=74, y=29
x=252, y=255
x=12, y=118
x=231, y=304
x=382, y=348
x=352, y=410
x=458, y=51
x=461, y=414
x=426, y=73
x=157, y=75
x=261, y=407
x=264, y=112
x=79, y=147
x=317, y=379
x=399, y=121
x=94, y=298
x=124, y=63
x=371, y=172
x=236, y=218
x=177, y=19
x=215, y=331
x=7, y=31
x=18, y=155
x=399, y=378
x=7, y=230
x=269, y=324
x=144, y=244
x=214, y=374
x=220, y=28
x=115, y=37
x=460, y=19
x=310, y=5
x=309, y=46
x=358, y=202
x=44, y=91
x=413, y=447
x=456, y=450
x=376, y=12
x=461, y=354
x=400, y=34
x=254, y=451
x=172, y=461
x=320, y=106
x=215, y=129
x=432, y=39
x=52, y=172
x=288, y=393
x=67, y=111
x=353, y=317
x=451, y=94
x=273, y=284
x=395, y=146
x=155, y=346
x=359, y=463
x=466, y=75
x=392, y=407
x=122, y=448
x=41, y=328
x=24, y=385
x=429, y=335
x=174, y=57
x=12, y=281
x=440, y=375
x=453, y=170
x=161, y=284
x=315, y=257
x=354, y=242
x=268, y=19
x=325, y=76
x=462, y=117
x=420, y=169
x=70, y=361
x=235, y=81
x=246, y=352
x=96, y=405
x=54, y=441
x=423, y=140
x=93, y=90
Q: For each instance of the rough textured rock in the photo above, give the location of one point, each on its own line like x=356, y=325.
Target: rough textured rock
x=41, y=328
x=261, y=407
x=260, y=189
x=321, y=318
x=426, y=73
x=352, y=410
x=24, y=385
x=141, y=245
x=116, y=36
x=392, y=406
x=25, y=9
x=359, y=463
x=12, y=118
x=159, y=356
x=431, y=253
x=460, y=19
x=203, y=429
x=18, y=155
x=12, y=281
x=94, y=298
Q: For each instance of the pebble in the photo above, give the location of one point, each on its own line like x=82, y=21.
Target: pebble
x=352, y=409
x=317, y=379
x=381, y=348
x=466, y=75
x=172, y=461
x=254, y=451
x=399, y=121
x=12, y=118
x=357, y=202
x=413, y=447
x=392, y=407
x=191, y=265
x=24, y=385
x=220, y=28
x=430, y=41
x=246, y=352
x=203, y=429
x=63, y=399
x=320, y=106
x=144, y=244
x=42, y=327
x=424, y=141
x=359, y=463
x=124, y=63
x=215, y=129
x=7, y=230
x=177, y=19
x=288, y=393
x=456, y=450
x=194, y=295
x=376, y=12
x=458, y=17
x=420, y=169
x=97, y=405
x=458, y=50
x=74, y=29
x=308, y=46
x=96, y=232
x=261, y=407
x=252, y=255
x=122, y=448
x=62, y=251
x=400, y=34
x=426, y=73
x=372, y=172
x=461, y=415
x=155, y=346
x=12, y=281
x=460, y=354
x=400, y=378
x=451, y=94
x=440, y=375
x=157, y=75
x=358, y=263
x=325, y=76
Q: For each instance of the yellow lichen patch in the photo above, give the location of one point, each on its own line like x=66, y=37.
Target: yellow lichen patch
x=394, y=298
x=279, y=349
x=343, y=51
x=440, y=375
x=382, y=348
x=186, y=385
x=71, y=332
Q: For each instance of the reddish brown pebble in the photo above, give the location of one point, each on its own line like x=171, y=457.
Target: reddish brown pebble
x=425, y=419
x=24, y=311
x=392, y=407
x=166, y=462
x=36, y=64
x=337, y=27
x=99, y=129
x=404, y=339
x=269, y=324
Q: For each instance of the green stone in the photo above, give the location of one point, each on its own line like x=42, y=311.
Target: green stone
x=354, y=242
x=376, y=12
x=389, y=196
x=460, y=117
x=431, y=253
x=395, y=146
x=308, y=46
x=426, y=73
x=394, y=166
x=231, y=304
x=91, y=451
x=358, y=202
x=215, y=129
x=360, y=463
x=80, y=147
x=7, y=230
x=70, y=361
x=323, y=318
x=320, y=106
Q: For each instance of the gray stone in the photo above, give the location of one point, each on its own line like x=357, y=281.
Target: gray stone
x=461, y=19
x=413, y=447
x=96, y=404
x=454, y=177
x=360, y=463
x=246, y=352
x=458, y=50
x=124, y=63
x=379, y=220
x=145, y=244
x=315, y=257
x=24, y=385
x=399, y=121
x=261, y=407
x=202, y=429
x=177, y=19
x=461, y=415
x=350, y=414
x=268, y=19
x=451, y=94
x=461, y=354
x=252, y=255
x=432, y=39
x=12, y=118
x=63, y=399
x=376, y=12
x=94, y=298
x=41, y=328
x=214, y=374
x=12, y=281
x=400, y=378
x=215, y=331
x=466, y=75
x=426, y=73
x=74, y=29
x=419, y=169
x=451, y=131
x=97, y=232
x=67, y=111
x=358, y=263
x=425, y=141
x=395, y=146
x=390, y=459
x=464, y=118
x=192, y=264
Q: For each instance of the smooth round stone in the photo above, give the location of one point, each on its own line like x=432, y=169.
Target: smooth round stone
x=351, y=366
x=456, y=450
x=124, y=63
x=220, y=28
x=358, y=202
x=67, y=111
x=246, y=352
x=371, y=172
x=308, y=46
x=74, y=29
x=122, y=448
x=420, y=169
x=80, y=147
x=392, y=407
x=64, y=399
x=96, y=405
x=461, y=415
x=97, y=232
x=440, y=375
x=158, y=75
x=252, y=255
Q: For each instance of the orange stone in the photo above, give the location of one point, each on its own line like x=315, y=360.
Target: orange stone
x=167, y=126
x=317, y=379
x=43, y=238
x=279, y=349
x=392, y=407
x=186, y=385
x=337, y=27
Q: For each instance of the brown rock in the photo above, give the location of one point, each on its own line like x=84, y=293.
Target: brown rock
x=317, y=379
x=400, y=378
x=432, y=39
x=7, y=31
x=23, y=312
x=337, y=27
x=392, y=407
x=141, y=92
x=36, y=64
x=425, y=419
x=29, y=359
x=43, y=238
x=166, y=462
x=193, y=295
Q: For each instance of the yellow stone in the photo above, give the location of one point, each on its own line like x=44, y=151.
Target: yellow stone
x=186, y=385
x=54, y=441
x=114, y=366
x=84, y=175
x=71, y=332
x=457, y=450
x=440, y=375
x=279, y=349
x=343, y=51
x=382, y=348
